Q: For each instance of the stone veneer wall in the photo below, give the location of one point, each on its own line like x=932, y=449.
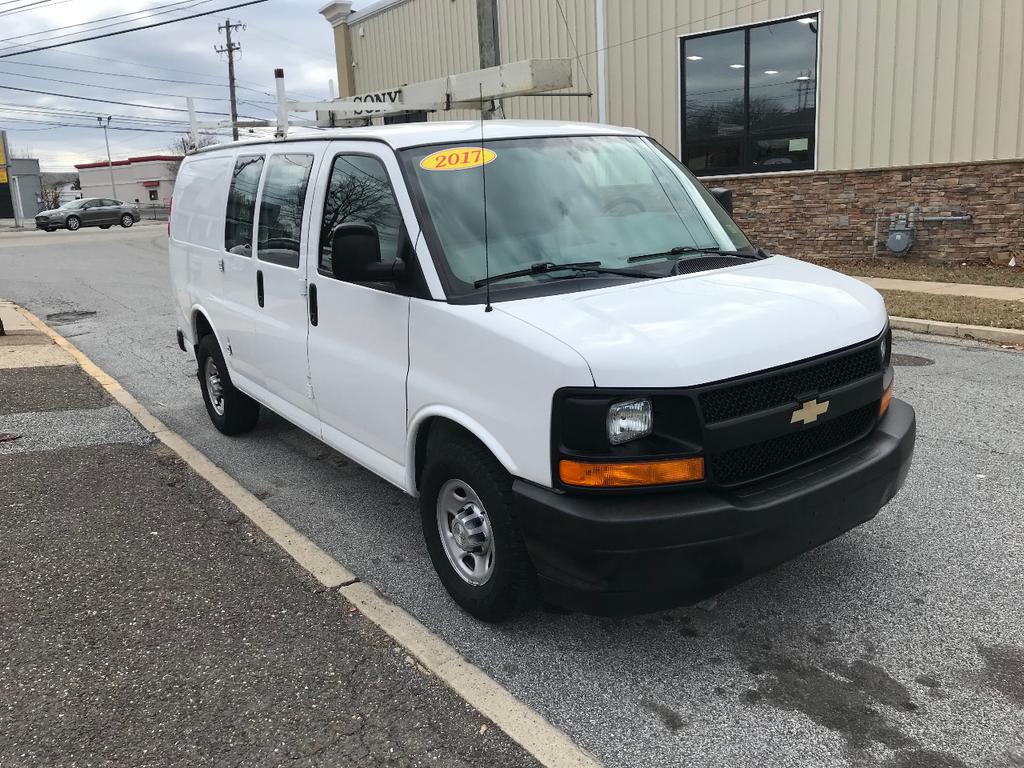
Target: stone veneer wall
x=832, y=213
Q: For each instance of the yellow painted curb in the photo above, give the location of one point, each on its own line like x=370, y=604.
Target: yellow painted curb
x=546, y=742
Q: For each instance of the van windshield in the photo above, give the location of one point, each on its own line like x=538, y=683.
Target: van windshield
x=562, y=200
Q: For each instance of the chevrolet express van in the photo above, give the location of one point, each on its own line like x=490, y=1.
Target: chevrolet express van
x=602, y=394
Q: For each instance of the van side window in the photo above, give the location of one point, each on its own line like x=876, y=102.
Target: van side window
x=284, y=196
x=359, y=191
x=241, y=204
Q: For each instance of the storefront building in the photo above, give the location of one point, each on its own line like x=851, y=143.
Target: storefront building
x=826, y=118
x=147, y=180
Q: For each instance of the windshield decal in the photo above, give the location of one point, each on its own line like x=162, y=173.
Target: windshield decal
x=458, y=159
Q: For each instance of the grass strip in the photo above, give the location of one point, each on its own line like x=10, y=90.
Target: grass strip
x=966, y=310
x=952, y=272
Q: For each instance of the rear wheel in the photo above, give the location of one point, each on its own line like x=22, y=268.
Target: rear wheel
x=73, y=223
x=470, y=529
x=231, y=411
x=127, y=220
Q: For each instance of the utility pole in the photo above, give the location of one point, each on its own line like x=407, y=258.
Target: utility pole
x=490, y=47
x=110, y=165
x=230, y=49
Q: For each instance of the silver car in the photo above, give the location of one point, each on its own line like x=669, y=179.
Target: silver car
x=99, y=212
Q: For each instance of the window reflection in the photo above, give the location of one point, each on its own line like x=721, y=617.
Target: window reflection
x=750, y=98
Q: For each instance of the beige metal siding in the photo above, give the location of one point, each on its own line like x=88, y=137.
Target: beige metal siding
x=900, y=82
x=536, y=29
x=415, y=41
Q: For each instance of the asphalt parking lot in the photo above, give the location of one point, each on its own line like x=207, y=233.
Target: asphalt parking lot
x=900, y=644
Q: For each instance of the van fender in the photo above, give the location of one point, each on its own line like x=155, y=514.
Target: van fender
x=468, y=423
x=197, y=310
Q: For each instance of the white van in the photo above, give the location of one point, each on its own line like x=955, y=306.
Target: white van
x=552, y=334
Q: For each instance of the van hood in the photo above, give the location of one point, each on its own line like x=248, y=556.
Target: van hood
x=695, y=329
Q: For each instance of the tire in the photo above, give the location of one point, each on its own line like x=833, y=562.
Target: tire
x=232, y=412
x=456, y=462
x=127, y=220
x=104, y=226
x=73, y=223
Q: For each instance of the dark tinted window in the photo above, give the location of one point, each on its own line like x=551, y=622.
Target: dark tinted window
x=749, y=98
x=106, y=201
x=359, y=191
x=284, y=195
x=245, y=181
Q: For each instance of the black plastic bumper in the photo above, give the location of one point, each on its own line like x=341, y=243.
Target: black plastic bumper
x=644, y=552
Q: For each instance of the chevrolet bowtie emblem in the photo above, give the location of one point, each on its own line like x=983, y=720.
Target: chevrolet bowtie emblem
x=809, y=412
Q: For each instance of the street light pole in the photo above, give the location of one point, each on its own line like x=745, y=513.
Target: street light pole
x=110, y=165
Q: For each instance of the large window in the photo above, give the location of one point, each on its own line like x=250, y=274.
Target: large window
x=284, y=195
x=749, y=98
x=245, y=180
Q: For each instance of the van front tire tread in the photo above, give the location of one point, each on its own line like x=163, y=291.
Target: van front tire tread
x=241, y=412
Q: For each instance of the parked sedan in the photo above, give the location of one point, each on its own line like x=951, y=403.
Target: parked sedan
x=89, y=212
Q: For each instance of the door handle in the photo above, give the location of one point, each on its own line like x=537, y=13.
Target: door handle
x=259, y=287
x=314, y=310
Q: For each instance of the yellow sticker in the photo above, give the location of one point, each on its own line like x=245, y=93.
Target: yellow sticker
x=457, y=159
x=3, y=176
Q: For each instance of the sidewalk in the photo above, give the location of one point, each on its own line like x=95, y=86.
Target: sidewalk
x=999, y=292
x=145, y=621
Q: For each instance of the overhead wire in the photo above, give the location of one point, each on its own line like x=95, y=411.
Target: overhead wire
x=132, y=29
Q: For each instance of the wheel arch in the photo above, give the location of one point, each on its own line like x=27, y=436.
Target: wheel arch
x=201, y=325
x=429, y=419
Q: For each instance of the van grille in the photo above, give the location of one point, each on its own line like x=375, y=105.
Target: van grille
x=773, y=390
x=751, y=462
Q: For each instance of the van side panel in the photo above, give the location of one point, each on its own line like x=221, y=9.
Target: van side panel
x=498, y=372
x=197, y=237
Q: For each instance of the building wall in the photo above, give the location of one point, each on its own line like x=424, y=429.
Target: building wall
x=415, y=41
x=831, y=214
x=128, y=178
x=901, y=82
x=30, y=183
x=535, y=29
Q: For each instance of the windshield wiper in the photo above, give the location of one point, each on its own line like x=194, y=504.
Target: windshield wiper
x=679, y=250
x=542, y=267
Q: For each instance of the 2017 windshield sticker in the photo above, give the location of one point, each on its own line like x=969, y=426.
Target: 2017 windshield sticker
x=458, y=159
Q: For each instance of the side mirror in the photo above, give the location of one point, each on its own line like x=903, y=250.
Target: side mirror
x=724, y=198
x=355, y=255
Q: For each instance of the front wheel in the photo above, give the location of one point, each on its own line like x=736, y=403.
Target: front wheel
x=469, y=524
x=231, y=411
x=73, y=223
x=127, y=221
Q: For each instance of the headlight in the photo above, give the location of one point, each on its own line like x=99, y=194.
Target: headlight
x=630, y=420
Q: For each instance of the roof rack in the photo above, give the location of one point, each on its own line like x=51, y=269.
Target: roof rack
x=467, y=90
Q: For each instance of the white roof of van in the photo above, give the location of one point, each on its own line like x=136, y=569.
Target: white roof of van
x=445, y=131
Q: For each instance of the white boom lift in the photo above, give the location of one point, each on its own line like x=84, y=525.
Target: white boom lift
x=468, y=90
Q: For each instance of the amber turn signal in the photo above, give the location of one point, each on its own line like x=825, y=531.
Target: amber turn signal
x=624, y=474
x=886, y=397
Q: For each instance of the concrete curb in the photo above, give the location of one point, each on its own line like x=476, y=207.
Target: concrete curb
x=546, y=742
x=978, y=332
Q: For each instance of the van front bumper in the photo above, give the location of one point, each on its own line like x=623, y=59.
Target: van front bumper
x=634, y=553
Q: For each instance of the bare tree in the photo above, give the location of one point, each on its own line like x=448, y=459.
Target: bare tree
x=184, y=144
x=51, y=196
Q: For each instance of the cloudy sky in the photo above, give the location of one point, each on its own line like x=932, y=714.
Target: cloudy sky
x=155, y=68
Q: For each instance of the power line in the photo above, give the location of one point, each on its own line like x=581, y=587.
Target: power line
x=104, y=18
x=119, y=103
x=133, y=29
x=115, y=88
x=29, y=7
